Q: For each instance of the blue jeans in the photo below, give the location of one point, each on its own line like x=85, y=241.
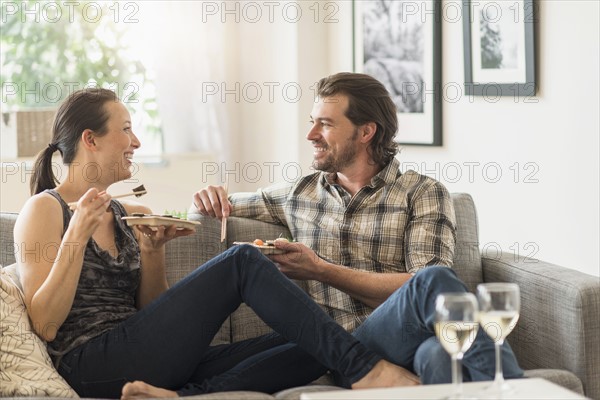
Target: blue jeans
x=401, y=330
x=167, y=343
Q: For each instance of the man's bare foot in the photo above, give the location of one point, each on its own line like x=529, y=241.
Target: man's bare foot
x=386, y=374
x=142, y=390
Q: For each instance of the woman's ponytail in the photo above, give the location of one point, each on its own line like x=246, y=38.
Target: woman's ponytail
x=43, y=176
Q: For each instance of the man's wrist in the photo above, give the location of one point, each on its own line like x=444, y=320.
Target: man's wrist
x=326, y=271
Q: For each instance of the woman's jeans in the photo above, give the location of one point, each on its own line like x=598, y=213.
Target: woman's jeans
x=402, y=331
x=167, y=342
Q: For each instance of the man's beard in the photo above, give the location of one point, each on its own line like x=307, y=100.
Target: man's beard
x=336, y=162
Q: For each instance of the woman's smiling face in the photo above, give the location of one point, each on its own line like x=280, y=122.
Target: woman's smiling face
x=119, y=143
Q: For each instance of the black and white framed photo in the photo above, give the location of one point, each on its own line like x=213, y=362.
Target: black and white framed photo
x=499, y=47
x=399, y=43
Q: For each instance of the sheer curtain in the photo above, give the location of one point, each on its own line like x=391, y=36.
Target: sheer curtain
x=187, y=56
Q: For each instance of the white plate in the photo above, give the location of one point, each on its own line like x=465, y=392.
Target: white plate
x=156, y=220
x=266, y=250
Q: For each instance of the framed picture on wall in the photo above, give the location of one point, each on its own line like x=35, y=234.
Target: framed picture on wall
x=399, y=43
x=499, y=47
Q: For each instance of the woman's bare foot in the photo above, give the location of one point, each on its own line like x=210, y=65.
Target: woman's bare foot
x=386, y=374
x=142, y=390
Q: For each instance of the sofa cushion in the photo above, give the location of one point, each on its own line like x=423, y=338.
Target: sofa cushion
x=25, y=367
x=189, y=252
x=7, y=243
x=246, y=324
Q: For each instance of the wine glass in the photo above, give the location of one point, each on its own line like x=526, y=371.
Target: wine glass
x=499, y=305
x=456, y=327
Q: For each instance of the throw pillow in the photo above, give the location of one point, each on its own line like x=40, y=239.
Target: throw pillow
x=25, y=366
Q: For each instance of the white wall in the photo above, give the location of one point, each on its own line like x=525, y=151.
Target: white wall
x=285, y=58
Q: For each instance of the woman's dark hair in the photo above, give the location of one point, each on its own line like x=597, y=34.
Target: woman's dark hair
x=83, y=109
x=368, y=101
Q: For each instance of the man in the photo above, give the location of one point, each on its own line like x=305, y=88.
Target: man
x=373, y=244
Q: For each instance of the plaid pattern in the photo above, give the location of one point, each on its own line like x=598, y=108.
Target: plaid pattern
x=398, y=223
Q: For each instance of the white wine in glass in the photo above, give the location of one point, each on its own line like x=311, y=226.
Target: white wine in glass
x=456, y=336
x=456, y=328
x=499, y=306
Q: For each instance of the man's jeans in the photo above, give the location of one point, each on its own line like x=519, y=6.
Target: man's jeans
x=402, y=331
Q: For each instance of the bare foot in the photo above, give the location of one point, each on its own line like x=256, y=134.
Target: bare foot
x=386, y=374
x=142, y=390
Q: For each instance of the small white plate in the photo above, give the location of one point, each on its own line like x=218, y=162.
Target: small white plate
x=266, y=250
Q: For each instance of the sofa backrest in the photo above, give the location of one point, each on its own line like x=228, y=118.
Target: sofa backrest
x=185, y=254
x=467, y=257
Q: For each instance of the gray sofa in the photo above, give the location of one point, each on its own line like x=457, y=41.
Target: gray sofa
x=557, y=336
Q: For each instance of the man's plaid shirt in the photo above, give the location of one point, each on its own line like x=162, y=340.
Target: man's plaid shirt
x=398, y=223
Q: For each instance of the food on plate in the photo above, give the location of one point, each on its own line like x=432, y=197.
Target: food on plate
x=279, y=239
x=266, y=246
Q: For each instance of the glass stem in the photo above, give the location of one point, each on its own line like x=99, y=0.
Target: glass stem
x=499, y=378
x=456, y=374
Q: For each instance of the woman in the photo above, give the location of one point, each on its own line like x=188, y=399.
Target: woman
x=96, y=289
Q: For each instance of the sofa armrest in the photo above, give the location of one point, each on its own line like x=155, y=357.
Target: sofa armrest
x=558, y=327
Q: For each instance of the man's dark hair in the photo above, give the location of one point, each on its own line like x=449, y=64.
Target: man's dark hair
x=368, y=101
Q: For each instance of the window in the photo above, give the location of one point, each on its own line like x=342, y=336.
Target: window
x=50, y=49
